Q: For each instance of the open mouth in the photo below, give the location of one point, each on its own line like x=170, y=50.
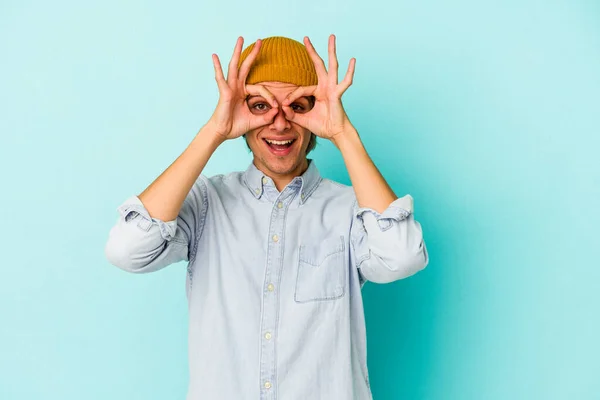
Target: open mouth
x=280, y=147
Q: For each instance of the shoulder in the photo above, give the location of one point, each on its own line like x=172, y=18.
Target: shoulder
x=336, y=187
x=343, y=193
x=222, y=182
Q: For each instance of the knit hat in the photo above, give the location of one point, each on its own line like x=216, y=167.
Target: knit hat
x=281, y=59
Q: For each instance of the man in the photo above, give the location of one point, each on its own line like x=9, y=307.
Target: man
x=277, y=255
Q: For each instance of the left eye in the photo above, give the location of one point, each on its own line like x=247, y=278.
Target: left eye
x=260, y=108
x=297, y=108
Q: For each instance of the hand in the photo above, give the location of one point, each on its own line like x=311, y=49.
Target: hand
x=232, y=117
x=327, y=118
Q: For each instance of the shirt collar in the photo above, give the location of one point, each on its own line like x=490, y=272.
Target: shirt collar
x=255, y=179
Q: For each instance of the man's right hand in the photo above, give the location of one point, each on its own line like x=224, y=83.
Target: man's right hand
x=232, y=117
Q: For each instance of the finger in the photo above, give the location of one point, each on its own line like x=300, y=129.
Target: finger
x=260, y=90
x=300, y=119
x=269, y=116
x=333, y=61
x=245, y=67
x=263, y=119
x=348, y=79
x=299, y=92
x=218, y=71
x=317, y=60
x=233, y=63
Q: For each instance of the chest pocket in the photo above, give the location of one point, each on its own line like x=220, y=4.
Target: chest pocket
x=321, y=271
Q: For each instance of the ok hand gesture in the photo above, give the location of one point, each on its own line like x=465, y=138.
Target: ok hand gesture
x=232, y=117
x=327, y=118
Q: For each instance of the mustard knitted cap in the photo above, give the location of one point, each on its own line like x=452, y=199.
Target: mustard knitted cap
x=281, y=59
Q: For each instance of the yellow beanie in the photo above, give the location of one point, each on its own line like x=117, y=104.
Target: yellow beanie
x=281, y=59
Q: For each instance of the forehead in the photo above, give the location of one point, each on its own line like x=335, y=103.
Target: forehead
x=280, y=85
x=281, y=89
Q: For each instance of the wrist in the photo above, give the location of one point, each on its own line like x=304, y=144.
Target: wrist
x=210, y=134
x=347, y=137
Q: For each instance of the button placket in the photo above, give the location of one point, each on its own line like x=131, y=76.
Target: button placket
x=270, y=296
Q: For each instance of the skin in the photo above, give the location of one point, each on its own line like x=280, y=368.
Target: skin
x=290, y=102
x=281, y=169
x=329, y=120
x=233, y=117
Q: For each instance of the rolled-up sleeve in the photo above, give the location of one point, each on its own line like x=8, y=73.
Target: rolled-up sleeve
x=139, y=243
x=388, y=246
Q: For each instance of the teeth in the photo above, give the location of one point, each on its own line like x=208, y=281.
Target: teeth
x=280, y=142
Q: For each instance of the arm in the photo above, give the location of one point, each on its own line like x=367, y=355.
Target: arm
x=231, y=119
x=386, y=239
x=387, y=243
x=163, y=224
x=372, y=191
x=389, y=246
x=164, y=197
x=160, y=226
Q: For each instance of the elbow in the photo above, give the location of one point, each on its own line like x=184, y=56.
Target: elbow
x=380, y=269
x=121, y=256
x=413, y=263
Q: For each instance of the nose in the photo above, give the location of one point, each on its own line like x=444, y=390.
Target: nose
x=280, y=123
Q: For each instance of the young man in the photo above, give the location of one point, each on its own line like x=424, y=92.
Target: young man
x=277, y=254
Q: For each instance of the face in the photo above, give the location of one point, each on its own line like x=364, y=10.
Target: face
x=279, y=148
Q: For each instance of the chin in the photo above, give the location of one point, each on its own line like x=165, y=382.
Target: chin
x=281, y=166
x=279, y=161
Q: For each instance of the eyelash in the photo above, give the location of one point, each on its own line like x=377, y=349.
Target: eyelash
x=265, y=104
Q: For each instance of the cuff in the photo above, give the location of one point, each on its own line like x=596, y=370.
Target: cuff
x=399, y=210
x=133, y=209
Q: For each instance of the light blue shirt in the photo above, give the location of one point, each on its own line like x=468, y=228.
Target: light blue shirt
x=274, y=280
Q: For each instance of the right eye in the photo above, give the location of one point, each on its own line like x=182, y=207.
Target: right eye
x=260, y=107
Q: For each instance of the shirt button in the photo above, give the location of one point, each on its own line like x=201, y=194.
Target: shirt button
x=257, y=191
x=268, y=335
x=271, y=287
x=265, y=180
x=275, y=238
x=268, y=385
x=302, y=195
x=280, y=205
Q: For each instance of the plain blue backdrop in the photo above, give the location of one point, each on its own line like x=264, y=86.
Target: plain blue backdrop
x=487, y=113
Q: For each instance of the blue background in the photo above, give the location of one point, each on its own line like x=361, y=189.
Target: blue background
x=488, y=113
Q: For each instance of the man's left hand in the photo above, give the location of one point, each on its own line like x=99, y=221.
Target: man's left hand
x=327, y=118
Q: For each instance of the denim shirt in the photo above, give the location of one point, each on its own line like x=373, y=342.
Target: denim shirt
x=274, y=280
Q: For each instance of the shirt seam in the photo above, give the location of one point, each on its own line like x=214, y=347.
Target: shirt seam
x=202, y=219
